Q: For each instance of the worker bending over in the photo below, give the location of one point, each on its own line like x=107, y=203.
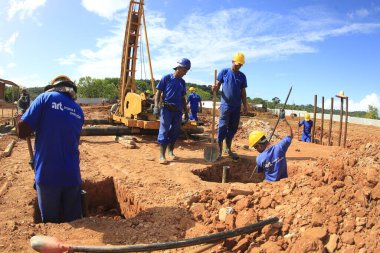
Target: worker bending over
x=307, y=125
x=272, y=160
x=234, y=83
x=195, y=104
x=172, y=89
x=58, y=121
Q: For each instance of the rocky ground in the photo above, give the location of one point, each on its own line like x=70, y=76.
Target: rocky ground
x=329, y=203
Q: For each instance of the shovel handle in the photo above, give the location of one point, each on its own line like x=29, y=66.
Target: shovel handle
x=213, y=110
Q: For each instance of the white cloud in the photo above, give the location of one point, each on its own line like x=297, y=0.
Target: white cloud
x=361, y=13
x=11, y=65
x=23, y=8
x=371, y=99
x=105, y=9
x=68, y=60
x=7, y=46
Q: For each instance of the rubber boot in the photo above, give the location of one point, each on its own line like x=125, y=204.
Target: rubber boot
x=229, y=151
x=170, y=151
x=220, y=143
x=162, y=154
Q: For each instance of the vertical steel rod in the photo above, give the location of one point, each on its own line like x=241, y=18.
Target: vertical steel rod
x=322, y=118
x=225, y=174
x=314, y=119
x=340, y=121
x=345, y=126
x=331, y=120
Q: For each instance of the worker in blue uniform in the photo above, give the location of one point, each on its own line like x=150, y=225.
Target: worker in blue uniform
x=272, y=159
x=233, y=83
x=307, y=124
x=195, y=102
x=57, y=120
x=172, y=91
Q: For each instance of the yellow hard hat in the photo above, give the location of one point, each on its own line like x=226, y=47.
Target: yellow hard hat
x=256, y=137
x=58, y=79
x=191, y=88
x=147, y=91
x=61, y=80
x=239, y=58
x=307, y=116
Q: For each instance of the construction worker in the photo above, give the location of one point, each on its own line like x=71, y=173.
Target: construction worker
x=57, y=121
x=24, y=101
x=195, y=104
x=172, y=89
x=272, y=160
x=307, y=125
x=233, y=94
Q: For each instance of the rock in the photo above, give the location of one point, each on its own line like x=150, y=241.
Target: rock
x=372, y=176
x=198, y=209
x=359, y=241
x=265, y=202
x=348, y=237
x=233, y=192
x=337, y=184
x=332, y=243
x=375, y=192
x=307, y=244
x=242, y=245
x=269, y=230
x=229, y=243
x=242, y=204
x=224, y=211
x=316, y=232
x=271, y=247
x=317, y=219
x=246, y=217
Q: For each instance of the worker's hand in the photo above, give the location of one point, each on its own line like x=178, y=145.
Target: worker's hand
x=156, y=111
x=215, y=88
x=199, y=110
x=245, y=110
x=282, y=115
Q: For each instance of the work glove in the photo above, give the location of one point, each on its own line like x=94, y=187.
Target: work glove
x=156, y=111
x=282, y=114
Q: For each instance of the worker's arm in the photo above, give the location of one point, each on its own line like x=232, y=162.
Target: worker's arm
x=157, y=98
x=216, y=87
x=24, y=130
x=244, y=100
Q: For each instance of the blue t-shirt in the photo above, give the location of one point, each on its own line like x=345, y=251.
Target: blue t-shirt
x=58, y=121
x=273, y=162
x=194, y=100
x=173, y=90
x=232, y=84
x=307, y=126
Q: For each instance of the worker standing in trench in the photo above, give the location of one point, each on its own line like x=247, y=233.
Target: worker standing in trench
x=195, y=102
x=57, y=121
x=272, y=160
x=233, y=83
x=172, y=89
x=307, y=125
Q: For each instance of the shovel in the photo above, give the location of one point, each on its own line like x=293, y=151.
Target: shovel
x=211, y=153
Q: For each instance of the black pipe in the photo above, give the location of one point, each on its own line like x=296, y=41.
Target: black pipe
x=177, y=244
x=115, y=130
x=98, y=122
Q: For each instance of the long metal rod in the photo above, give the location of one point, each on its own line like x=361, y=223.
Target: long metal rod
x=331, y=120
x=340, y=120
x=345, y=126
x=177, y=244
x=323, y=116
x=314, y=119
x=283, y=108
x=148, y=52
x=213, y=110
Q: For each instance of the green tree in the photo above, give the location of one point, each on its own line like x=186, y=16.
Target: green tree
x=98, y=88
x=372, y=113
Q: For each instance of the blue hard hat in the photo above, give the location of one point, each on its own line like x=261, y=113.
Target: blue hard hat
x=185, y=63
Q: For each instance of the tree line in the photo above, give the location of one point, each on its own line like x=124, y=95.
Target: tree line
x=108, y=88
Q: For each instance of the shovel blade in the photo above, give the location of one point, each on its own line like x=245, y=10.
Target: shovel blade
x=211, y=153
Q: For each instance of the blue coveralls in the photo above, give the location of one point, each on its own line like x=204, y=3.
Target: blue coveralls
x=306, y=133
x=194, y=100
x=58, y=121
x=229, y=115
x=173, y=89
x=273, y=161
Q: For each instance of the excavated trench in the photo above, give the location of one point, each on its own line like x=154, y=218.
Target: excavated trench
x=106, y=197
x=240, y=171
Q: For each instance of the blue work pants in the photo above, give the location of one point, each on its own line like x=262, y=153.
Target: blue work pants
x=59, y=203
x=229, y=118
x=193, y=113
x=170, y=126
x=306, y=137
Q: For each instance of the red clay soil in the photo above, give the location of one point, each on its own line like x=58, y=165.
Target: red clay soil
x=329, y=203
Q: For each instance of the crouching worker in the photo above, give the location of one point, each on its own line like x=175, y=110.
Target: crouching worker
x=57, y=121
x=271, y=161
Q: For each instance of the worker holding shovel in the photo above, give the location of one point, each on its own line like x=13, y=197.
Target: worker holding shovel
x=233, y=83
x=307, y=124
x=272, y=160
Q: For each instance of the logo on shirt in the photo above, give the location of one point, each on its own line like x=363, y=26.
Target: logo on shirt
x=57, y=106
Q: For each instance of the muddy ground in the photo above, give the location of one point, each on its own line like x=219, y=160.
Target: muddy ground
x=329, y=203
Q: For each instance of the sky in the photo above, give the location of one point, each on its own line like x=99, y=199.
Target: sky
x=317, y=47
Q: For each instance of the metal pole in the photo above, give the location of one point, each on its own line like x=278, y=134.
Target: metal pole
x=323, y=113
x=225, y=173
x=148, y=52
x=314, y=119
x=331, y=120
x=340, y=120
x=345, y=126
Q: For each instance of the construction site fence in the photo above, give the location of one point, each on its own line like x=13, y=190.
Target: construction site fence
x=354, y=120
